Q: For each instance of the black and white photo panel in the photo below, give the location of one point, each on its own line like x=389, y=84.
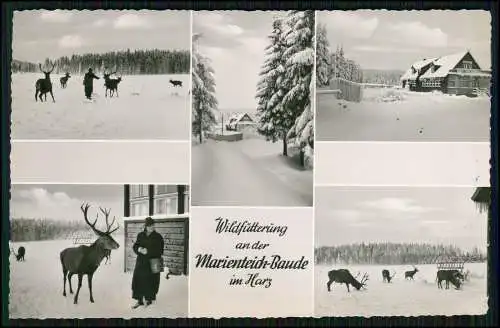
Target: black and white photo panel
x=403, y=75
x=401, y=251
x=252, y=114
x=98, y=251
x=101, y=74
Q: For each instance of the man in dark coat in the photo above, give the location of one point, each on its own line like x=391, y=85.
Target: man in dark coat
x=88, y=82
x=148, y=245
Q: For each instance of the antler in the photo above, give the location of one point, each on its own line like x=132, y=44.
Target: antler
x=108, y=226
x=85, y=209
x=53, y=66
x=365, y=278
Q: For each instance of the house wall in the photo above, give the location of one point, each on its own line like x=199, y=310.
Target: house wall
x=462, y=85
x=175, y=233
x=156, y=199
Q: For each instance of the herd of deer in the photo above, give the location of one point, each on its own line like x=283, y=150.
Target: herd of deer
x=344, y=276
x=44, y=86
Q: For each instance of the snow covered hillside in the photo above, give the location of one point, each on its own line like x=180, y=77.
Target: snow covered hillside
x=36, y=287
x=401, y=297
x=250, y=172
x=391, y=114
x=148, y=107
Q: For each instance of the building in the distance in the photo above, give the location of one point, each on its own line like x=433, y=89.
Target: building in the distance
x=168, y=205
x=458, y=74
x=241, y=122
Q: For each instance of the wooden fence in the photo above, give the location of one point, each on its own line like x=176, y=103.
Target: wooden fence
x=344, y=89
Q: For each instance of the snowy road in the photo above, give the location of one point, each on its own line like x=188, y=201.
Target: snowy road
x=223, y=174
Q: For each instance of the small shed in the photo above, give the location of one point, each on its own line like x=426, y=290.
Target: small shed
x=175, y=232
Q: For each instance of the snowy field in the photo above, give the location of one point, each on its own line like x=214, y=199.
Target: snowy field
x=250, y=172
x=148, y=107
x=402, y=115
x=36, y=287
x=401, y=297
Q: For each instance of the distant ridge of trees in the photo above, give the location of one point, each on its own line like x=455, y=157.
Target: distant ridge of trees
x=378, y=76
x=392, y=253
x=127, y=62
x=24, y=229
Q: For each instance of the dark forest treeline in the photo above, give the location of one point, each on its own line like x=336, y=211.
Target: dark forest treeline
x=390, y=77
x=45, y=229
x=392, y=253
x=125, y=62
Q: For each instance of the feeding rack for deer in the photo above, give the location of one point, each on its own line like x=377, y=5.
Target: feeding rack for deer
x=450, y=263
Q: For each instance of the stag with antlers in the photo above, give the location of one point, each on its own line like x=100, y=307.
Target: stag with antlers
x=44, y=86
x=88, y=82
x=344, y=276
x=84, y=260
x=411, y=273
x=111, y=84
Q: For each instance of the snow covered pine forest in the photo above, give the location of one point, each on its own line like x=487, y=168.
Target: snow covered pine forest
x=146, y=105
x=284, y=119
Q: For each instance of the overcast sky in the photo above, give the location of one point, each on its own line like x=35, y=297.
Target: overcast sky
x=376, y=214
x=38, y=34
x=235, y=42
x=384, y=39
x=62, y=202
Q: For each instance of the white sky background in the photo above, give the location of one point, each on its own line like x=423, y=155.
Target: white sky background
x=40, y=34
x=62, y=202
x=235, y=42
x=382, y=39
x=346, y=215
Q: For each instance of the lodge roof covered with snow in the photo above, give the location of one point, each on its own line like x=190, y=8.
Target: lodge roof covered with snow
x=409, y=74
x=443, y=65
x=237, y=117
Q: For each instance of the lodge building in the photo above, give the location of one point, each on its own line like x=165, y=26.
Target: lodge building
x=168, y=205
x=458, y=74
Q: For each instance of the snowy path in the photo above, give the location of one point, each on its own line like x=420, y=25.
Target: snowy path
x=223, y=174
x=419, y=117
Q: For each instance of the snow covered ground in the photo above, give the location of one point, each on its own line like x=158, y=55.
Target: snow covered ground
x=393, y=114
x=36, y=287
x=401, y=297
x=148, y=107
x=250, y=172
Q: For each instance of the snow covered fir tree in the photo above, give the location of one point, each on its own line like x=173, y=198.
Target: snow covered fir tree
x=286, y=82
x=204, y=103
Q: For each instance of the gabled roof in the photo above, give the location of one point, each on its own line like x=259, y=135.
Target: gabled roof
x=445, y=64
x=239, y=116
x=417, y=66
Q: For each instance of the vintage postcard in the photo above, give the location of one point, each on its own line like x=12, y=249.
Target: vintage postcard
x=253, y=124
x=98, y=251
x=401, y=251
x=403, y=75
x=103, y=74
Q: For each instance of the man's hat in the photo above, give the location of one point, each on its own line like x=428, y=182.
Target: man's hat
x=149, y=221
